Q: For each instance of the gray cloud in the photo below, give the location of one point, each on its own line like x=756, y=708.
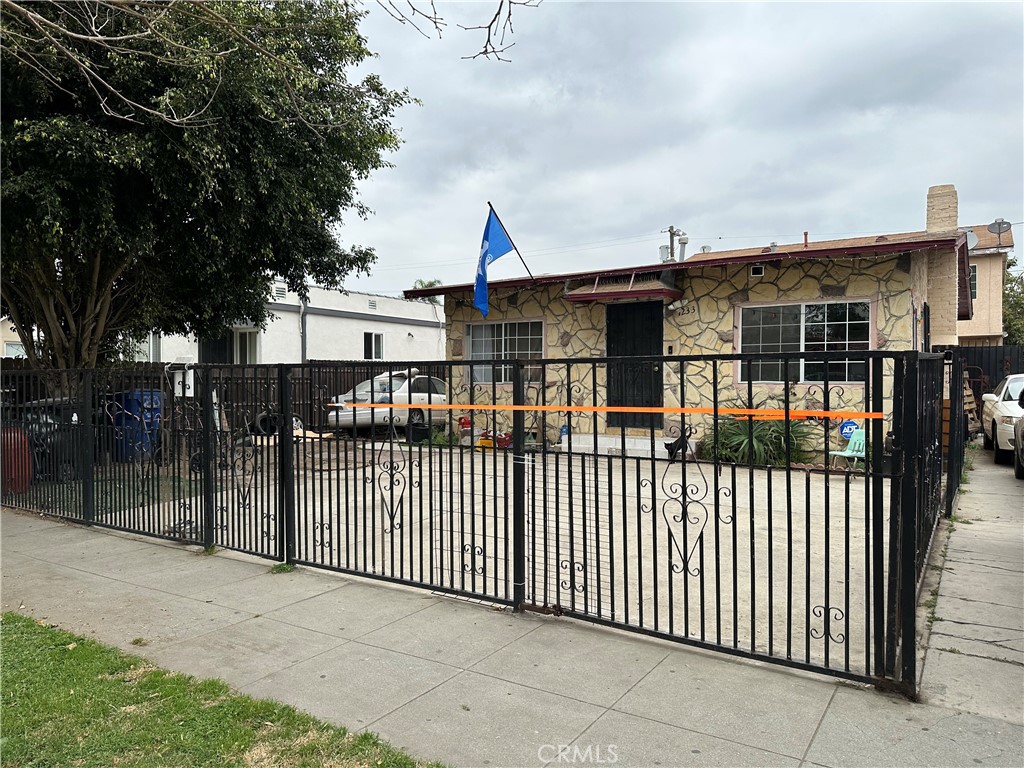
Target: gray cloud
x=615, y=120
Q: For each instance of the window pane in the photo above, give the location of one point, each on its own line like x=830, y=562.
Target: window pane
x=860, y=312
x=814, y=371
x=768, y=371
x=814, y=332
x=791, y=337
x=815, y=313
x=836, y=312
x=858, y=332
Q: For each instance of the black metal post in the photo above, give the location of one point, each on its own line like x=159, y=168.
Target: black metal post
x=955, y=431
x=926, y=312
x=209, y=473
x=899, y=464
x=518, y=489
x=909, y=512
x=87, y=435
x=286, y=465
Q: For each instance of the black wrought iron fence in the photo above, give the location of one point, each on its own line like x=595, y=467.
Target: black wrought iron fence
x=786, y=520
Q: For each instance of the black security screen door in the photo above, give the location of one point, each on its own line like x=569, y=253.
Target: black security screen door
x=216, y=350
x=635, y=330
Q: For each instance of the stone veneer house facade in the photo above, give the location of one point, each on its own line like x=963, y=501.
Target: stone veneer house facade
x=878, y=288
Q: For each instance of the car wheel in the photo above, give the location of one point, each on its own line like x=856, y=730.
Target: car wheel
x=297, y=424
x=1018, y=467
x=416, y=417
x=263, y=424
x=986, y=441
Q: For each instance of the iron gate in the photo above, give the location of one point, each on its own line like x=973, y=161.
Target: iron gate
x=740, y=526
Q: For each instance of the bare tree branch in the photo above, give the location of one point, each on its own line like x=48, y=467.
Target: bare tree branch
x=497, y=28
x=42, y=34
x=411, y=14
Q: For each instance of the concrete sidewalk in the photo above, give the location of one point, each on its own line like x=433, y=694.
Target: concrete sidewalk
x=469, y=685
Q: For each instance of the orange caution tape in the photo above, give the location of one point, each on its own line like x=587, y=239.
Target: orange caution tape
x=755, y=413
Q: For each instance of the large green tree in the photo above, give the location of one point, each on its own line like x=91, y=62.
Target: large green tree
x=163, y=161
x=1013, y=304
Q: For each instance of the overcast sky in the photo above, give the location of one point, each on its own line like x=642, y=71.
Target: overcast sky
x=737, y=123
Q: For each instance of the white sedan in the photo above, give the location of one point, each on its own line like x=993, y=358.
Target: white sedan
x=999, y=411
x=400, y=388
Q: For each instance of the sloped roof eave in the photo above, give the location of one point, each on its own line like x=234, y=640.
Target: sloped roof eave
x=887, y=247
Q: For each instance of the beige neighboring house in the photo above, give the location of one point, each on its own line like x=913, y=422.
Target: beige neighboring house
x=12, y=346
x=867, y=293
x=987, y=270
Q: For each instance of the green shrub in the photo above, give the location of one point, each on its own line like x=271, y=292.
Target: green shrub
x=742, y=441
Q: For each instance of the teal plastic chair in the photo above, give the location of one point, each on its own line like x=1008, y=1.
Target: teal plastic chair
x=854, y=451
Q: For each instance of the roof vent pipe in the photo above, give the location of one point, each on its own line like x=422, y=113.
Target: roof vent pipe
x=683, y=241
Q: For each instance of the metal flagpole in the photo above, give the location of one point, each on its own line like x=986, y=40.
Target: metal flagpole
x=510, y=240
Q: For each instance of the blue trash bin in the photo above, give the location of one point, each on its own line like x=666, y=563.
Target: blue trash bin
x=137, y=422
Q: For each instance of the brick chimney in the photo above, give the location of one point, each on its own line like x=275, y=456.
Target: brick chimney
x=942, y=208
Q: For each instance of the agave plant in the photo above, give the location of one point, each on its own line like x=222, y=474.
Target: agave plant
x=759, y=442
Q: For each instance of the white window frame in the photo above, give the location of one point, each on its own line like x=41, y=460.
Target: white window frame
x=247, y=340
x=14, y=349
x=974, y=281
x=376, y=345
x=802, y=379
x=481, y=374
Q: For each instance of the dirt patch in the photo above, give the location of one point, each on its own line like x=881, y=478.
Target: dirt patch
x=131, y=675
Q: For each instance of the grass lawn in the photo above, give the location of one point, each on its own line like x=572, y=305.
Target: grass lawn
x=69, y=701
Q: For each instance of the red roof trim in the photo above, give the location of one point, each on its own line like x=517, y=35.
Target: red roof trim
x=649, y=293
x=884, y=248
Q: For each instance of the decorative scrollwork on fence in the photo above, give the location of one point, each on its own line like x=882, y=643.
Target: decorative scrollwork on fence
x=474, y=552
x=685, y=505
x=390, y=474
x=817, y=396
x=269, y=526
x=136, y=433
x=575, y=584
x=468, y=393
x=321, y=400
x=835, y=614
x=322, y=535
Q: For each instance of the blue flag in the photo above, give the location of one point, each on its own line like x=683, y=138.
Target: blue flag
x=495, y=245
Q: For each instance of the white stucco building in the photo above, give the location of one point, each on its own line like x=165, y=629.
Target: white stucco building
x=331, y=326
